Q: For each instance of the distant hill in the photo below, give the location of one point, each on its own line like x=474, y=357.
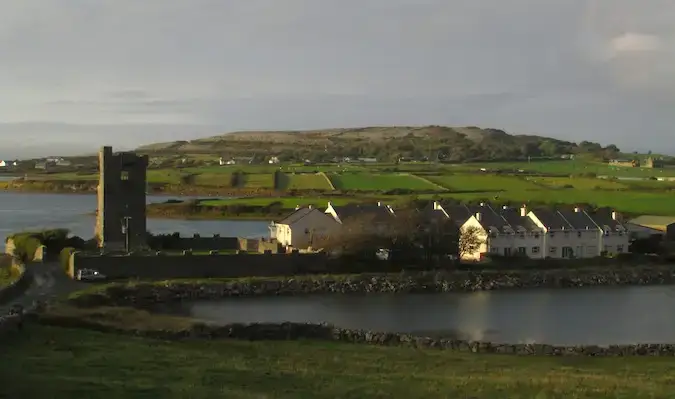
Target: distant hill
x=385, y=143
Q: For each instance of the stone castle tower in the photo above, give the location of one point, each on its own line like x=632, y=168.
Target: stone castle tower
x=120, y=217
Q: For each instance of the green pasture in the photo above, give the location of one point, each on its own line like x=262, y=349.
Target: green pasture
x=482, y=182
x=287, y=202
x=569, y=167
x=379, y=182
x=305, y=181
x=634, y=202
x=579, y=183
x=51, y=362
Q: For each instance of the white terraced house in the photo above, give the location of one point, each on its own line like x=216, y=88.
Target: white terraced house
x=540, y=234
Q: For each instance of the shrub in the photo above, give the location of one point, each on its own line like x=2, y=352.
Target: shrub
x=64, y=257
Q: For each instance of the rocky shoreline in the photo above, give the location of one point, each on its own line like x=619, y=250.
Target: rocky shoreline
x=144, y=293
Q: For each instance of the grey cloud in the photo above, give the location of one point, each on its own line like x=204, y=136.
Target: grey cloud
x=522, y=65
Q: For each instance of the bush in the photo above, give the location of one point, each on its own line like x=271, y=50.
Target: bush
x=64, y=257
x=25, y=246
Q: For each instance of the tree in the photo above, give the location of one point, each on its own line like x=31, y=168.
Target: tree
x=469, y=241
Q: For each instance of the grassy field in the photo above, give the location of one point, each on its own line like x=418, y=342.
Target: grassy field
x=287, y=202
x=580, y=183
x=306, y=181
x=572, y=167
x=49, y=362
x=364, y=181
x=649, y=203
x=483, y=182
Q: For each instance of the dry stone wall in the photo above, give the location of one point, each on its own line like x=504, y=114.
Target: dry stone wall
x=291, y=331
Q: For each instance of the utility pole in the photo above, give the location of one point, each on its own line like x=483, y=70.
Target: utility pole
x=125, y=231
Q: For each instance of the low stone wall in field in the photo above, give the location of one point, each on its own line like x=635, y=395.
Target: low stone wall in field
x=291, y=331
x=442, y=281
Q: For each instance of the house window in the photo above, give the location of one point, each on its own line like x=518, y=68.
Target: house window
x=606, y=233
x=495, y=250
x=553, y=250
x=579, y=234
x=535, y=250
x=619, y=248
x=522, y=235
x=507, y=251
x=124, y=175
x=551, y=234
x=522, y=250
x=306, y=231
x=620, y=233
x=536, y=235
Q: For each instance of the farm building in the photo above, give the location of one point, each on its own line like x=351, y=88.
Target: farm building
x=653, y=225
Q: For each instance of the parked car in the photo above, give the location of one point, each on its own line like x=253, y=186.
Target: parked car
x=89, y=275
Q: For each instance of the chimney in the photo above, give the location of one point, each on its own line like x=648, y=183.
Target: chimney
x=297, y=207
x=523, y=211
x=379, y=203
x=577, y=209
x=309, y=206
x=482, y=204
x=479, y=216
x=614, y=215
x=437, y=205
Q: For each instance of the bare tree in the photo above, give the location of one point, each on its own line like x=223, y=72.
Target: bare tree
x=469, y=241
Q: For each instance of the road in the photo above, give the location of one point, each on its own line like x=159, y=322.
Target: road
x=49, y=282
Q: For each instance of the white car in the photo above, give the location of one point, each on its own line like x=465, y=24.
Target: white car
x=89, y=275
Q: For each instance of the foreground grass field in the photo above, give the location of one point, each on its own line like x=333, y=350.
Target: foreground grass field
x=49, y=362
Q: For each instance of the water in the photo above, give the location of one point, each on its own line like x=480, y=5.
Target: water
x=24, y=211
x=588, y=316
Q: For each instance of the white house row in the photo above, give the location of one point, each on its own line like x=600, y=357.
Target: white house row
x=571, y=233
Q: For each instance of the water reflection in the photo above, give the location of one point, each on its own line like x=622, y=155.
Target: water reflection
x=588, y=316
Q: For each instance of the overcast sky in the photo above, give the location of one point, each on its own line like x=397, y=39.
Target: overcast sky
x=130, y=72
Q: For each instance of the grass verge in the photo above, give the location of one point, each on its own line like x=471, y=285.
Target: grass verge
x=51, y=362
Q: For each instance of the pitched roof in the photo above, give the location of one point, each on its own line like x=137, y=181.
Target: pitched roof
x=604, y=219
x=655, y=222
x=517, y=222
x=296, y=215
x=552, y=219
x=578, y=219
x=378, y=212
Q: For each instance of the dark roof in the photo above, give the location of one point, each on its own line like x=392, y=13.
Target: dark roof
x=490, y=219
x=552, y=219
x=458, y=213
x=378, y=212
x=578, y=219
x=603, y=218
x=296, y=215
x=517, y=222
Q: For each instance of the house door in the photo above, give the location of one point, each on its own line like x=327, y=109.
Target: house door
x=507, y=251
x=567, y=252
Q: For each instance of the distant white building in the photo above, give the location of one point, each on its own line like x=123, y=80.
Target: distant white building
x=304, y=227
x=273, y=160
x=222, y=161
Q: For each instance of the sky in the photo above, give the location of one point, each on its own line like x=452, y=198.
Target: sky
x=79, y=74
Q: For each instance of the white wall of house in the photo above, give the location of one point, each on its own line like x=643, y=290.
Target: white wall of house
x=472, y=222
x=530, y=244
x=616, y=242
x=315, y=226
